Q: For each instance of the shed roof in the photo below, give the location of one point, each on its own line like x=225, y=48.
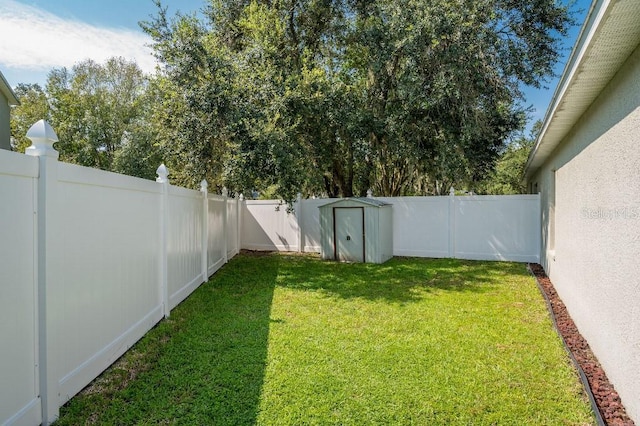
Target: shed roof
x=6, y=90
x=366, y=201
x=608, y=37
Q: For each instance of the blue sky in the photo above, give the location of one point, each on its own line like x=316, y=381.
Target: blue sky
x=38, y=35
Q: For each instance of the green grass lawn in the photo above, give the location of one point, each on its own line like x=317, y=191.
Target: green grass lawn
x=289, y=339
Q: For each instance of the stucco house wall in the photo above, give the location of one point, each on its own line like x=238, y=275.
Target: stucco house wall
x=590, y=194
x=7, y=99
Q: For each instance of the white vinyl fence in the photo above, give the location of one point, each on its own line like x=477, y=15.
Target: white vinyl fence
x=19, y=374
x=488, y=227
x=90, y=261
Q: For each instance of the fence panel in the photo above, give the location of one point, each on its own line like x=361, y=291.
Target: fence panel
x=184, y=243
x=19, y=384
x=233, y=216
x=420, y=226
x=103, y=270
x=310, y=223
x=90, y=261
x=216, y=241
x=490, y=227
x=467, y=227
x=266, y=225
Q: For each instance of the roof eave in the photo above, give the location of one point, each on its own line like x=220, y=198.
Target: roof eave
x=7, y=91
x=573, y=96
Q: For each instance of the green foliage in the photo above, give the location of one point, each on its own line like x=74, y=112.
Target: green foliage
x=289, y=339
x=93, y=107
x=99, y=112
x=139, y=154
x=325, y=97
x=195, y=117
x=33, y=107
x=507, y=177
x=334, y=97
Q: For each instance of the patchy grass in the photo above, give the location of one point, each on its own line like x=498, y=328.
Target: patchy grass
x=288, y=339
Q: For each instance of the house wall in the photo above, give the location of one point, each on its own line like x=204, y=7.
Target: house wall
x=591, y=228
x=5, y=130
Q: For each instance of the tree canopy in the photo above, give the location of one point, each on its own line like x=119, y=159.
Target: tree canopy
x=99, y=113
x=337, y=96
x=323, y=97
x=507, y=175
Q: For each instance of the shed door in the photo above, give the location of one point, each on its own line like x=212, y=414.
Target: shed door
x=349, y=233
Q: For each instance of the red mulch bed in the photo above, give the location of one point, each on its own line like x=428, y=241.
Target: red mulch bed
x=606, y=397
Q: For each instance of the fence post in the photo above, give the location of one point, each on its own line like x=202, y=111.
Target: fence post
x=43, y=137
x=205, y=230
x=452, y=222
x=298, y=215
x=239, y=224
x=163, y=179
x=225, y=224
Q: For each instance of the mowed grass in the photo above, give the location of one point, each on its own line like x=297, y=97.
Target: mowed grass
x=288, y=339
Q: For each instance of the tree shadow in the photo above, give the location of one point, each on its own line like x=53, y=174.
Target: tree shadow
x=398, y=280
x=236, y=310
x=205, y=364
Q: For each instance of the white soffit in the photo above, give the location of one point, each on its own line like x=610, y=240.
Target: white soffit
x=609, y=35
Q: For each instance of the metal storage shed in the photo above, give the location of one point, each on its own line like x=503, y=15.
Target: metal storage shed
x=356, y=230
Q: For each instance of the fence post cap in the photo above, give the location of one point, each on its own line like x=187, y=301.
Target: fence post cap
x=369, y=193
x=163, y=174
x=225, y=191
x=204, y=185
x=241, y=198
x=42, y=138
x=452, y=191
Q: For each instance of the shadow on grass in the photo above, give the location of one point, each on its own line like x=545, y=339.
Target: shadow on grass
x=398, y=280
x=235, y=316
x=203, y=365
x=206, y=364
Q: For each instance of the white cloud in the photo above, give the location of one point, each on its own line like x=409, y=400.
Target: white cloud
x=33, y=39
